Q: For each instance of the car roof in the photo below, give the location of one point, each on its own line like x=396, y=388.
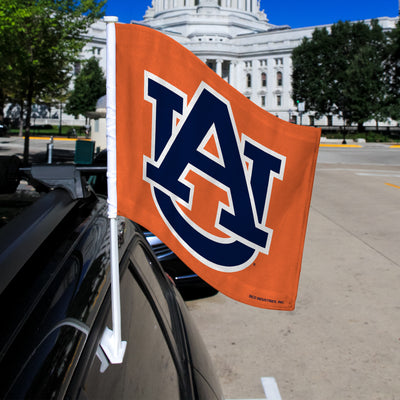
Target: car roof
x=31, y=212
x=27, y=231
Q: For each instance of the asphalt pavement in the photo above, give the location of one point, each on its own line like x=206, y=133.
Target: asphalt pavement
x=343, y=339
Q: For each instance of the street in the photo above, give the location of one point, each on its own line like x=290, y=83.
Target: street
x=343, y=339
x=14, y=145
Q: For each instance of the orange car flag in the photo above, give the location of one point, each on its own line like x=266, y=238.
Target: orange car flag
x=223, y=183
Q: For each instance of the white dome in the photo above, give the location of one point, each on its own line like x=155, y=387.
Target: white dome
x=250, y=6
x=192, y=18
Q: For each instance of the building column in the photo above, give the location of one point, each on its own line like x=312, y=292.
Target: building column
x=218, y=69
x=232, y=72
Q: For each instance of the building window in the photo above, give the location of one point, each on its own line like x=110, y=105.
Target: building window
x=96, y=51
x=263, y=63
x=278, y=100
x=248, y=79
x=329, y=120
x=278, y=61
x=279, y=78
x=196, y=2
x=248, y=64
x=263, y=101
x=263, y=79
x=211, y=64
x=312, y=120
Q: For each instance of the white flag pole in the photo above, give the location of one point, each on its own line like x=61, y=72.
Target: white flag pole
x=111, y=340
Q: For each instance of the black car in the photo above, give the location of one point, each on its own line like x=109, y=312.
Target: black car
x=56, y=304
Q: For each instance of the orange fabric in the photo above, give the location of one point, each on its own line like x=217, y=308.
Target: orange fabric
x=271, y=281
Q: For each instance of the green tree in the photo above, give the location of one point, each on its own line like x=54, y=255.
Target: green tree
x=309, y=81
x=41, y=39
x=342, y=72
x=392, y=68
x=89, y=86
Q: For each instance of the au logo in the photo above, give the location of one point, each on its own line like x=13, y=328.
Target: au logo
x=243, y=169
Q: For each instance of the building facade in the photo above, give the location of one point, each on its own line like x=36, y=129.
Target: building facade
x=236, y=40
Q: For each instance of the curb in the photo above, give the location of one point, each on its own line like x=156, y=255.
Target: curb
x=58, y=138
x=340, y=145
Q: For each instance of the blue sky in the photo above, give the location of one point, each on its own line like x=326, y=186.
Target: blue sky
x=290, y=12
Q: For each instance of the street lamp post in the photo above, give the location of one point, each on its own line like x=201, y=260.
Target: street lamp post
x=60, y=124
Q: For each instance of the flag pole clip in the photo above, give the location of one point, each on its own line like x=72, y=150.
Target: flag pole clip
x=111, y=340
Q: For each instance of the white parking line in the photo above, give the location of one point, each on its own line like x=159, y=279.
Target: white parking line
x=270, y=389
x=364, y=172
x=381, y=174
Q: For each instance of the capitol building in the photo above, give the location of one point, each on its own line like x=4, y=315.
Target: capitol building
x=236, y=40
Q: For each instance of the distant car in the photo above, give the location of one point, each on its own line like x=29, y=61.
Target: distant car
x=188, y=283
x=56, y=304
x=3, y=130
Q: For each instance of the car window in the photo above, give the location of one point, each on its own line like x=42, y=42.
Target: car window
x=158, y=289
x=150, y=274
x=40, y=379
x=148, y=370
